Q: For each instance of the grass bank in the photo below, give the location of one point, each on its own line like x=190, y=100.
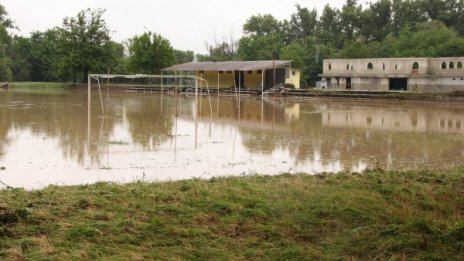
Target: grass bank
x=372, y=216
x=40, y=85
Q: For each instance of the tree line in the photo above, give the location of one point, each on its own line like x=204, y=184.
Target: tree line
x=386, y=28
x=81, y=45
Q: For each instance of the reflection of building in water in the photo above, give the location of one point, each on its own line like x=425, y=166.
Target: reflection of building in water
x=251, y=110
x=411, y=120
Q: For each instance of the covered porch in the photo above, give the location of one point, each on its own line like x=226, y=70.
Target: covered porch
x=239, y=75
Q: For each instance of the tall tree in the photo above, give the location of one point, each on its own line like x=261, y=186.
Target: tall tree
x=220, y=51
x=330, y=29
x=350, y=19
x=5, y=40
x=184, y=56
x=85, y=44
x=302, y=24
x=406, y=13
x=261, y=25
x=149, y=53
x=263, y=38
x=376, y=21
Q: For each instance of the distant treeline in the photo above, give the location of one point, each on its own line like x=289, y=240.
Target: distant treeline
x=386, y=28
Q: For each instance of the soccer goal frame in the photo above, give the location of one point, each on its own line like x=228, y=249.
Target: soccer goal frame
x=98, y=77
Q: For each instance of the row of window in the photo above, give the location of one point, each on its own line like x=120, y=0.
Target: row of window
x=229, y=72
x=451, y=65
x=415, y=66
x=248, y=72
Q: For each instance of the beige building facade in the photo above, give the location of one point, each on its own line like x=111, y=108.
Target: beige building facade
x=252, y=75
x=394, y=74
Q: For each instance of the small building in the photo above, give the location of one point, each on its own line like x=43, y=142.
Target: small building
x=395, y=74
x=253, y=75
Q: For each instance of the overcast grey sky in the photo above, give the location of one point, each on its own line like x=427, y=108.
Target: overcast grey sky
x=186, y=23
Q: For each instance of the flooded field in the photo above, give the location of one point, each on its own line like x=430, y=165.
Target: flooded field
x=47, y=138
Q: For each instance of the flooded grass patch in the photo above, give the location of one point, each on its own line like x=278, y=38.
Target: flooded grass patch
x=40, y=85
x=375, y=215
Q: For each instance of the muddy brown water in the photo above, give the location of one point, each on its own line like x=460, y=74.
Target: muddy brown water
x=46, y=138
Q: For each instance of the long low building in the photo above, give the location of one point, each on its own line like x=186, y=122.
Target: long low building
x=242, y=74
x=383, y=74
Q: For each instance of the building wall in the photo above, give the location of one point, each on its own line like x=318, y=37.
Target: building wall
x=253, y=79
x=294, y=77
x=422, y=74
x=436, y=66
x=226, y=79
x=361, y=68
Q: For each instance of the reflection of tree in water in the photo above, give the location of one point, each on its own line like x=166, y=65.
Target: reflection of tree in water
x=55, y=115
x=150, y=119
x=5, y=122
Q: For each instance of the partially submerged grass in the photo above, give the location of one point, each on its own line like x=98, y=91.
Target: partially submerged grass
x=40, y=85
x=372, y=216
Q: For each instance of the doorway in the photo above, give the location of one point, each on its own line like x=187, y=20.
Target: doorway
x=398, y=84
x=348, y=83
x=239, y=79
x=269, y=78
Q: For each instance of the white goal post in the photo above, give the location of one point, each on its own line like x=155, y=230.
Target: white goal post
x=98, y=77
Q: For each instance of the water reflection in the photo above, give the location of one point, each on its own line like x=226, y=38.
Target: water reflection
x=44, y=138
x=397, y=119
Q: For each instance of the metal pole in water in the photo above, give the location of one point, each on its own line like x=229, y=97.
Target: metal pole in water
x=262, y=84
x=89, y=99
x=196, y=112
x=239, y=92
x=100, y=94
x=196, y=97
x=180, y=92
x=217, y=111
x=262, y=95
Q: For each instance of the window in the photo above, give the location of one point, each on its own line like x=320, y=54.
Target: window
x=383, y=66
x=459, y=65
x=415, y=66
x=352, y=68
x=249, y=72
x=293, y=73
x=370, y=66
x=443, y=65
x=348, y=66
x=451, y=65
x=330, y=66
x=396, y=67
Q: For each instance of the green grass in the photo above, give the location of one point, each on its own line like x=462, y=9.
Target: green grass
x=40, y=85
x=372, y=216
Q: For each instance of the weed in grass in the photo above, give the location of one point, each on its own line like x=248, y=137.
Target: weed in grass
x=456, y=233
x=83, y=232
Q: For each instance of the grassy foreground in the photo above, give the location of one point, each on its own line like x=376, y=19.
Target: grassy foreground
x=372, y=216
